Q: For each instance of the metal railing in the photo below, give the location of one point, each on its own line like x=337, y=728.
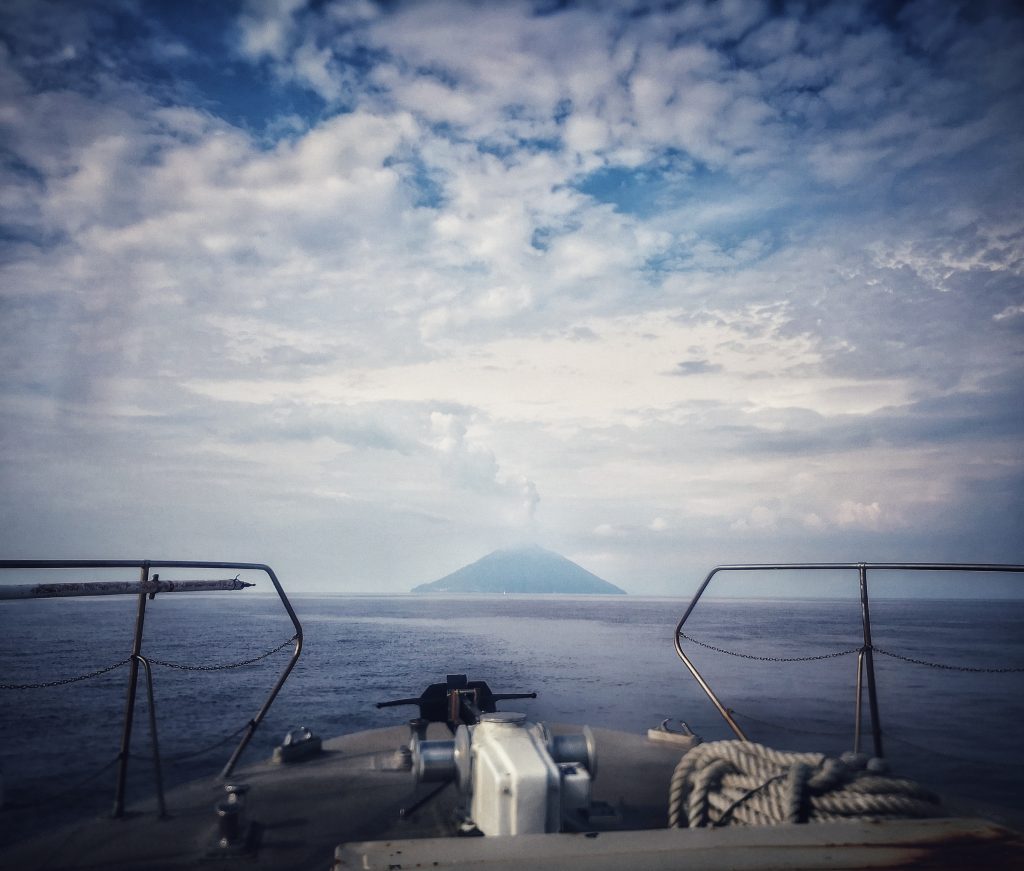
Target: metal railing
x=865, y=658
x=147, y=588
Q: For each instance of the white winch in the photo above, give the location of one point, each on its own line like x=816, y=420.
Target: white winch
x=518, y=777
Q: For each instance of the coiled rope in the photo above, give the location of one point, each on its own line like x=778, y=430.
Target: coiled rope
x=740, y=783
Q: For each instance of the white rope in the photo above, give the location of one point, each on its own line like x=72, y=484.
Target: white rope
x=740, y=783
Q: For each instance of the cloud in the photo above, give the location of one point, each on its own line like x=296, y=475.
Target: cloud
x=473, y=466
x=1011, y=311
x=405, y=267
x=760, y=517
x=267, y=28
x=858, y=514
x=695, y=367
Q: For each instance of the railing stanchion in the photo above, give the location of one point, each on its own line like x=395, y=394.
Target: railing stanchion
x=869, y=662
x=129, y=705
x=858, y=701
x=157, y=772
x=146, y=587
x=677, y=643
x=255, y=721
x=722, y=709
x=865, y=658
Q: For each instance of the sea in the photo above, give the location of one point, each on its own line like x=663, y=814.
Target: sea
x=950, y=709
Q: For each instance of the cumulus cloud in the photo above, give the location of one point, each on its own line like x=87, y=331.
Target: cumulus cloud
x=695, y=367
x=1011, y=311
x=760, y=517
x=474, y=466
x=425, y=261
x=858, y=514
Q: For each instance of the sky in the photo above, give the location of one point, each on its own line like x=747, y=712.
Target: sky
x=367, y=290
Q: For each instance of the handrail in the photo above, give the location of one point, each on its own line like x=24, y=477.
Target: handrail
x=148, y=587
x=115, y=588
x=865, y=660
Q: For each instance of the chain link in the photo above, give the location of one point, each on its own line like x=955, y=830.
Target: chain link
x=889, y=736
x=239, y=664
x=192, y=754
x=180, y=666
x=63, y=681
x=54, y=796
x=945, y=667
x=1003, y=762
x=910, y=659
x=770, y=658
x=794, y=729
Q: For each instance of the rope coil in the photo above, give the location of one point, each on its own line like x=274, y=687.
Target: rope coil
x=740, y=783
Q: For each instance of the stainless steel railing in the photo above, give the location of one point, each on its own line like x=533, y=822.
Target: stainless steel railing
x=146, y=588
x=865, y=658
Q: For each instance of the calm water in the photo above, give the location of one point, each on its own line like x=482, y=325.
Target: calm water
x=602, y=661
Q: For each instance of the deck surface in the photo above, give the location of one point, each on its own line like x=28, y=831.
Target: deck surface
x=345, y=807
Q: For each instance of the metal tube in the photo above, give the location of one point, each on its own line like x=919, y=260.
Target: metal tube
x=145, y=565
x=255, y=721
x=865, y=616
x=115, y=588
x=858, y=702
x=157, y=773
x=707, y=689
x=929, y=567
x=129, y=705
x=864, y=657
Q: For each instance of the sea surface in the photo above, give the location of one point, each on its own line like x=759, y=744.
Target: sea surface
x=605, y=661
